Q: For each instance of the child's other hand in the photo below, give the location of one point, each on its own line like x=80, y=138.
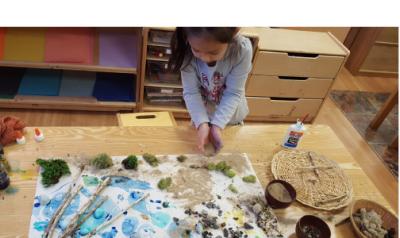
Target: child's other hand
x=203, y=136
x=216, y=138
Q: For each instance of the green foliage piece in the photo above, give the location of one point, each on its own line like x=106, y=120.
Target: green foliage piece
x=221, y=166
x=53, y=170
x=150, y=159
x=249, y=179
x=181, y=158
x=232, y=188
x=211, y=166
x=102, y=161
x=130, y=162
x=229, y=173
x=164, y=183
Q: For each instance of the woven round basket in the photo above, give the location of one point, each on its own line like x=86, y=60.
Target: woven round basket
x=319, y=182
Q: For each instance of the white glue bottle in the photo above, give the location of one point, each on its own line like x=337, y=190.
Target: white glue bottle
x=293, y=135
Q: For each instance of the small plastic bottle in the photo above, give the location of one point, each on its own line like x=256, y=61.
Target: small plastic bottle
x=293, y=135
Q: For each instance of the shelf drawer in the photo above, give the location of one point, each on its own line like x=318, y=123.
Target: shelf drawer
x=282, y=109
x=287, y=86
x=297, y=64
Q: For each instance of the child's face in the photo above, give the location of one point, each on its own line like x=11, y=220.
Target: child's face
x=207, y=49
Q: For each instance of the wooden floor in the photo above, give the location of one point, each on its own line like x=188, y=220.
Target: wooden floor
x=329, y=115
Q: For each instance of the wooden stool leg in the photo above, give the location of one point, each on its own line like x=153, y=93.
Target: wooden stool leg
x=381, y=115
x=394, y=144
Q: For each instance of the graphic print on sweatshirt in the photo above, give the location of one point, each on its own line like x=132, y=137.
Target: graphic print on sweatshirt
x=211, y=90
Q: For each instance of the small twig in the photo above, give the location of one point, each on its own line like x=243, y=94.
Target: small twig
x=311, y=157
x=61, y=212
x=67, y=200
x=91, y=234
x=72, y=224
x=316, y=167
x=71, y=229
x=331, y=199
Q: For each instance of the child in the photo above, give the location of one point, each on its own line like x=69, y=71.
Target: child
x=214, y=63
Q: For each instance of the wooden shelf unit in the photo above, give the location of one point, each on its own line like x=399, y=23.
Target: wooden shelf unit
x=79, y=103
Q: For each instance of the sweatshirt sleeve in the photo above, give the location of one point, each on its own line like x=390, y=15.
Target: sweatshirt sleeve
x=235, y=86
x=192, y=96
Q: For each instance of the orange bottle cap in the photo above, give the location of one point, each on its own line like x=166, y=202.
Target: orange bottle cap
x=37, y=132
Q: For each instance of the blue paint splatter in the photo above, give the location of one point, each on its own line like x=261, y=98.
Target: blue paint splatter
x=73, y=206
x=120, y=197
x=52, y=205
x=36, y=206
x=146, y=231
x=86, y=192
x=158, y=201
x=129, y=225
x=125, y=212
x=160, y=219
x=40, y=225
x=110, y=234
x=128, y=184
x=99, y=213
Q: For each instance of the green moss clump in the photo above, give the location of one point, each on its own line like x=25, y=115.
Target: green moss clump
x=182, y=158
x=164, y=183
x=130, y=162
x=150, y=159
x=54, y=169
x=102, y=161
x=249, y=179
x=221, y=166
x=229, y=173
x=211, y=166
x=233, y=188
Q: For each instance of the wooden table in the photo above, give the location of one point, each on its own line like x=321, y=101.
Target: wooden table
x=259, y=142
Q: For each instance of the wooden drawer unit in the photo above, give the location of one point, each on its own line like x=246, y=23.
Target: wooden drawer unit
x=279, y=109
x=292, y=73
x=284, y=86
x=297, y=64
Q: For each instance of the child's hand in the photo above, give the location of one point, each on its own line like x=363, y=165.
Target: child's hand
x=216, y=138
x=203, y=136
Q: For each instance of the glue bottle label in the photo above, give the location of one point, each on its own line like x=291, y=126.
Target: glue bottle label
x=293, y=139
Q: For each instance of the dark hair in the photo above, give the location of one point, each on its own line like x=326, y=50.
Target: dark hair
x=180, y=47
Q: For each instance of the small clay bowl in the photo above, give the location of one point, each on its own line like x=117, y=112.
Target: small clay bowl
x=317, y=225
x=275, y=203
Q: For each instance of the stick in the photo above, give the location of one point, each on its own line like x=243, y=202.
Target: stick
x=74, y=219
x=311, y=157
x=65, y=202
x=91, y=234
x=64, y=207
x=71, y=229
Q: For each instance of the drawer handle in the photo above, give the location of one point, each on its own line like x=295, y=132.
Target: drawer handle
x=304, y=55
x=145, y=117
x=283, y=99
x=292, y=78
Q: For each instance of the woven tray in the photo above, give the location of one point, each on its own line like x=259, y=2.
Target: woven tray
x=319, y=182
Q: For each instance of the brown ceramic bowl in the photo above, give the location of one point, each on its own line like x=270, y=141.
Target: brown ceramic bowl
x=312, y=224
x=273, y=202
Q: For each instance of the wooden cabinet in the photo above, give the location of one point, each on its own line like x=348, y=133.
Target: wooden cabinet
x=292, y=73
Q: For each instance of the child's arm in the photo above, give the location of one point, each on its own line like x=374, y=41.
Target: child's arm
x=192, y=95
x=235, y=87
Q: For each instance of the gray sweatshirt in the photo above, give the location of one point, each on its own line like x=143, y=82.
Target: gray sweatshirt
x=217, y=94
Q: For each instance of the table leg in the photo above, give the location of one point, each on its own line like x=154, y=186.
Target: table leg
x=381, y=115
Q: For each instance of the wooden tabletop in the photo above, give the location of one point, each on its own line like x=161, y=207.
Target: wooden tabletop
x=259, y=142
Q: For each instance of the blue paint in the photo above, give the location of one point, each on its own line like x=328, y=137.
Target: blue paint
x=158, y=201
x=110, y=234
x=99, y=213
x=73, y=206
x=141, y=207
x=120, y=197
x=63, y=223
x=160, y=219
x=86, y=192
x=151, y=200
x=52, y=205
x=125, y=212
x=129, y=226
x=128, y=184
x=146, y=231
x=110, y=209
x=40, y=225
x=36, y=206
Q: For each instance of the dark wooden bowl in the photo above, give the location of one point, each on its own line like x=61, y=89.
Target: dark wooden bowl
x=314, y=223
x=273, y=202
